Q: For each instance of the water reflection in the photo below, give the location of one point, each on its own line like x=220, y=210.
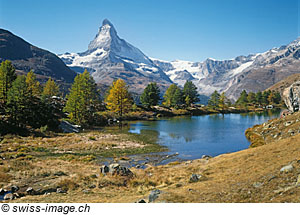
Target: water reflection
x=195, y=136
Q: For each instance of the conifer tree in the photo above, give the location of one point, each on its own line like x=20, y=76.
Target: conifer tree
x=173, y=96
x=118, y=99
x=259, y=97
x=50, y=89
x=82, y=99
x=190, y=91
x=150, y=96
x=17, y=101
x=223, y=101
x=33, y=86
x=242, y=100
x=7, y=76
x=251, y=98
x=214, y=100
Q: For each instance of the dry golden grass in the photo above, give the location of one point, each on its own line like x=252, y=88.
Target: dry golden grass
x=251, y=175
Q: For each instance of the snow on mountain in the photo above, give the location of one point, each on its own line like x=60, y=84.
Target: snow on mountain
x=109, y=57
x=229, y=76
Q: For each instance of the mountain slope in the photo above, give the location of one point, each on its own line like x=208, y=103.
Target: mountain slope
x=252, y=73
x=25, y=57
x=109, y=57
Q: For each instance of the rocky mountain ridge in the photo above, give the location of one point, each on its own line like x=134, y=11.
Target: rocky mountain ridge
x=25, y=57
x=109, y=57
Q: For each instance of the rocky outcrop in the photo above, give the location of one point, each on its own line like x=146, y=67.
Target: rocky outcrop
x=116, y=169
x=291, y=97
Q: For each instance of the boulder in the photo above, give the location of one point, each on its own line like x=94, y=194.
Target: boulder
x=60, y=190
x=287, y=168
x=206, y=157
x=141, y=201
x=104, y=169
x=67, y=127
x=2, y=191
x=195, y=177
x=116, y=169
x=14, y=188
x=154, y=195
x=30, y=191
x=9, y=196
x=291, y=97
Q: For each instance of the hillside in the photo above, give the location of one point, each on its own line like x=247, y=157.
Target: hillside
x=25, y=57
x=281, y=85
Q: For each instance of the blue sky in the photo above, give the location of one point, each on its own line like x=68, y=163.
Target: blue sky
x=165, y=29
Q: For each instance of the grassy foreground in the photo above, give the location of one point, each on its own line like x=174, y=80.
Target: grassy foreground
x=251, y=175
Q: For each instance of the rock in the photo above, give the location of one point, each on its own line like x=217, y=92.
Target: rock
x=291, y=96
x=287, y=168
x=14, y=188
x=60, y=173
x=67, y=127
x=60, y=190
x=2, y=191
x=206, y=156
x=30, y=191
x=9, y=196
x=298, y=181
x=104, y=169
x=287, y=124
x=92, y=186
x=257, y=184
x=141, y=201
x=195, y=177
x=116, y=169
x=291, y=131
x=154, y=195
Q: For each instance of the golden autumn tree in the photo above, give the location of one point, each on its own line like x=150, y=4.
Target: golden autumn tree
x=50, y=89
x=33, y=85
x=118, y=99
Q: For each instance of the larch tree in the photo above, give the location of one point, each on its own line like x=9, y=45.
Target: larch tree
x=173, y=96
x=82, y=99
x=17, y=101
x=50, y=89
x=118, y=99
x=33, y=85
x=7, y=76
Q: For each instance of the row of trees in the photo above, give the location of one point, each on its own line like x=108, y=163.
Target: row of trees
x=23, y=101
x=173, y=97
x=260, y=98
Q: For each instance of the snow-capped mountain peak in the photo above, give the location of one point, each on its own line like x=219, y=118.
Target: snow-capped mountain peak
x=108, y=54
x=104, y=37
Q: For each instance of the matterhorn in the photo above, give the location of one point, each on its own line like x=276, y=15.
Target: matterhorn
x=109, y=57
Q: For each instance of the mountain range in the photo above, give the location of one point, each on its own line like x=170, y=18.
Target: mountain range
x=108, y=57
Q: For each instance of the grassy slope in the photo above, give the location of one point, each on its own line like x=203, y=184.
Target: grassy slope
x=251, y=175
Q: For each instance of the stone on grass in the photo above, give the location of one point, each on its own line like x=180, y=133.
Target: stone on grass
x=195, y=177
x=154, y=195
x=14, y=188
x=9, y=196
x=287, y=168
x=30, y=191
